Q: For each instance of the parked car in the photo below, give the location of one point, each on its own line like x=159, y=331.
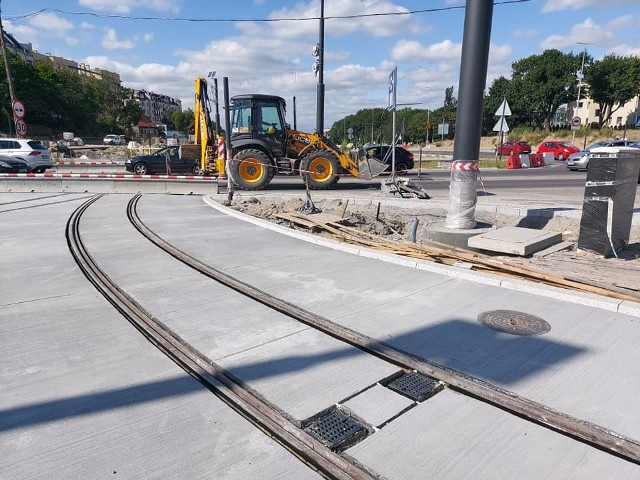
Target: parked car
x=12, y=165
x=560, y=150
x=114, y=140
x=157, y=162
x=33, y=152
x=513, y=148
x=580, y=160
x=404, y=158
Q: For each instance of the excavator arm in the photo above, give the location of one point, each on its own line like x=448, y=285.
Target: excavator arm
x=204, y=132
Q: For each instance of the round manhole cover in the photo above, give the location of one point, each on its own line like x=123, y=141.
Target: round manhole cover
x=514, y=322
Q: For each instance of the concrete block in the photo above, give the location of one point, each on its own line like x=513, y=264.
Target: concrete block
x=515, y=240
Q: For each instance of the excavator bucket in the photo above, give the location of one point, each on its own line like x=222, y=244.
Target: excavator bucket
x=369, y=167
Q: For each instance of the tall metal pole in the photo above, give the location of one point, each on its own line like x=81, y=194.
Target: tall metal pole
x=320, y=92
x=580, y=77
x=466, y=150
x=217, y=103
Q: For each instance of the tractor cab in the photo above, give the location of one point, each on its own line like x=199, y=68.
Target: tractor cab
x=259, y=120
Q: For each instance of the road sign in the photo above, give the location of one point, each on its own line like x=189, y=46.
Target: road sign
x=18, y=109
x=393, y=80
x=575, y=123
x=503, y=109
x=501, y=126
x=21, y=128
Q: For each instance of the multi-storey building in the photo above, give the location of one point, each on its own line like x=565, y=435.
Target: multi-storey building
x=588, y=111
x=154, y=105
x=23, y=50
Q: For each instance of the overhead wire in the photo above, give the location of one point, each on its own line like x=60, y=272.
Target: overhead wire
x=251, y=20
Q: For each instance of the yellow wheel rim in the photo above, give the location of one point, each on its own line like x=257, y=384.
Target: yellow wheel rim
x=321, y=169
x=251, y=171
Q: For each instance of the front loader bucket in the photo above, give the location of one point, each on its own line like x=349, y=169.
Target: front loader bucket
x=369, y=167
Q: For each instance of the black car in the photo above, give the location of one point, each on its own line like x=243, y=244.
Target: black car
x=13, y=165
x=404, y=158
x=157, y=162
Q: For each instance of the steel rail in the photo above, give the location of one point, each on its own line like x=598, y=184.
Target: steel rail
x=587, y=432
x=25, y=207
x=238, y=396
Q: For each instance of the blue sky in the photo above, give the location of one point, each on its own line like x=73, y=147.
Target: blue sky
x=274, y=57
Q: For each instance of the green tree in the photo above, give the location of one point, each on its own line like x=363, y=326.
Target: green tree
x=540, y=84
x=498, y=91
x=611, y=83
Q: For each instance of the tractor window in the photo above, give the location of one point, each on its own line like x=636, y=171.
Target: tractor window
x=241, y=122
x=270, y=119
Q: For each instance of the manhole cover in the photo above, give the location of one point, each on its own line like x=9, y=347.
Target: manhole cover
x=416, y=386
x=336, y=430
x=514, y=322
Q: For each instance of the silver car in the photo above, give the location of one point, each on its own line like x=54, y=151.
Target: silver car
x=33, y=152
x=580, y=160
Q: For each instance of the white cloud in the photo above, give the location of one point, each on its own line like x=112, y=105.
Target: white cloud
x=624, y=22
x=111, y=42
x=44, y=26
x=148, y=37
x=87, y=26
x=585, y=32
x=126, y=6
x=559, y=5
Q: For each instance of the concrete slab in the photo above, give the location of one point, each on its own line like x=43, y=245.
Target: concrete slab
x=515, y=240
x=378, y=405
x=452, y=437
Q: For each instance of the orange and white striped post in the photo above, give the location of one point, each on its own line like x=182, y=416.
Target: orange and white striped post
x=220, y=161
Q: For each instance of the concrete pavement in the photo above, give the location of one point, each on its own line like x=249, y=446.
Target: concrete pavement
x=83, y=396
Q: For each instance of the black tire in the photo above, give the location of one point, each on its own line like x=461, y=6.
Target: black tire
x=197, y=171
x=401, y=168
x=251, y=169
x=320, y=170
x=140, y=168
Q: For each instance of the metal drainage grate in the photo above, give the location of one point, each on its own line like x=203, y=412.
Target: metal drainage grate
x=514, y=322
x=416, y=386
x=336, y=430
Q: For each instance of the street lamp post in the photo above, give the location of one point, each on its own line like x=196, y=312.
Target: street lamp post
x=580, y=76
x=428, y=115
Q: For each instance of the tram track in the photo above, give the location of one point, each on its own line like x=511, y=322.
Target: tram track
x=37, y=205
x=266, y=416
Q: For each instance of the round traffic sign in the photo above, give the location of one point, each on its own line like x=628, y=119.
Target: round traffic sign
x=21, y=128
x=576, y=121
x=18, y=108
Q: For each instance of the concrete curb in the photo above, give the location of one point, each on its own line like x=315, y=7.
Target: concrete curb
x=589, y=299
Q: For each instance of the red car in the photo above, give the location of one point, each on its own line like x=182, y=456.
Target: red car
x=560, y=150
x=513, y=148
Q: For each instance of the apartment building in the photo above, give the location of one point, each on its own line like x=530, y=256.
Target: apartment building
x=155, y=106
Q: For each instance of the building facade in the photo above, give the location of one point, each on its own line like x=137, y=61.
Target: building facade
x=155, y=105
x=588, y=111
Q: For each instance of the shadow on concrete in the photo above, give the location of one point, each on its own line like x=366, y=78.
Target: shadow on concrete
x=538, y=218
x=51, y=411
x=468, y=347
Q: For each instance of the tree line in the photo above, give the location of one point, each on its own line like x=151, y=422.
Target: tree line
x=62, y=100
x=59, y=100
x=539, y=86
